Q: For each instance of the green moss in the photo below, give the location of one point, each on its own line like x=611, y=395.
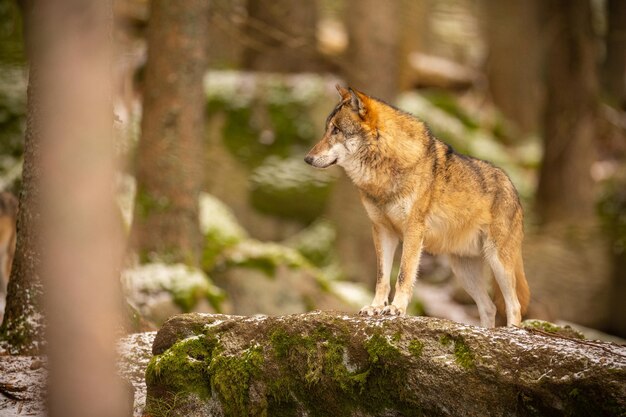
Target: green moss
x=463, y=355
x=416, y=347
x=321, y=369
x=200, y=366
x=146, y=203
x=548, y=327
x=381, y=351
x=258, y=127
x=183, y=367
x=230, y=378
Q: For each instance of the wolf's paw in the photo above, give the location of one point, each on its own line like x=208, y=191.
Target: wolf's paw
x=392, y=310
x=371, y=311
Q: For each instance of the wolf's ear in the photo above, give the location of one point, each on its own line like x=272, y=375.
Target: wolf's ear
x=357, y=102
x=343, y=92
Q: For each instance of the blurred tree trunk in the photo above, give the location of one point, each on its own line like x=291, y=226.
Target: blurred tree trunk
x=373, y=58
x=22, y=330
x=281, y=36
x=565, y=191
x=415, y=36
x=169, y=154
x=80, y=227
x=512, y=29
x=615, y=60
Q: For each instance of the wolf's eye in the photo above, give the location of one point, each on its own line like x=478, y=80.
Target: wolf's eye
x=335, y=130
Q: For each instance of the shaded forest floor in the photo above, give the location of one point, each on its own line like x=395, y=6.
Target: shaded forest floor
x=23, y=378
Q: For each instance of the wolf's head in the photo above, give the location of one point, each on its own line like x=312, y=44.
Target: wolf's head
x=348, y=127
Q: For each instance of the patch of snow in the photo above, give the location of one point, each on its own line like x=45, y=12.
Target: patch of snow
x=135, y=352
x=23, y=379
x=215, y=215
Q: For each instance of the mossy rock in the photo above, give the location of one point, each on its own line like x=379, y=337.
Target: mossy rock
x=219, y=228
x=546, y=326
x=289, y=188
x=333, y=364
x=145, y=286
x=265, y=114
x=264, y=256
x=316, y=243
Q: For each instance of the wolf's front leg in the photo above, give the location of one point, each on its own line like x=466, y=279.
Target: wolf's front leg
x=385, y=243
x=409, y=264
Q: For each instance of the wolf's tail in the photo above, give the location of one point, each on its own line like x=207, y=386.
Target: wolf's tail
x=521, y=288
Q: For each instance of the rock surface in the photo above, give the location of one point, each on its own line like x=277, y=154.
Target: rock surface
x=322, y=364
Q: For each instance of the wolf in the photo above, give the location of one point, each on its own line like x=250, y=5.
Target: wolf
x=416, y=189
x=8, y=216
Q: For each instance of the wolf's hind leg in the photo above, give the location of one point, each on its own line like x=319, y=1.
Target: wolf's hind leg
x=385, y=243
x=470, y=272
x=504, y=273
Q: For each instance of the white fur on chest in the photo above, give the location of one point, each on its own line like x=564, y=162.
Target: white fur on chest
x=398, y=213
x=395, y=215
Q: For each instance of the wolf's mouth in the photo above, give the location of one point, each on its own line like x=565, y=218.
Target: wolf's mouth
x=329, y=164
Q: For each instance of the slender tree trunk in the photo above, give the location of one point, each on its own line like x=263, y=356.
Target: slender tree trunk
x=512, y=29
x=615, y=61
x=565, y=191
x=22, y=330
x=373, y=57
x=169, y=171
x=281, y=36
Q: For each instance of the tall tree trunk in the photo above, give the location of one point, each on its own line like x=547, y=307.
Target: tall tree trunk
x=373, y=57
x=565, y=191
x=67, y=250
x=512, y=29
x=22, y=330
x=169, y=172
x=615, y=61
x=281, y=36
x=80, y=225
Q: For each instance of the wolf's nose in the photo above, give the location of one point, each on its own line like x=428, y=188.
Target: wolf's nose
x=308, y=159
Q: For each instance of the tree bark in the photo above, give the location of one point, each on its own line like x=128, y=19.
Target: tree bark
x=280, y=36
x=372, y=62
x=513, y=28
x=566, y=191
x=169, y=154
x=22, y=330
x=615, y=59
x=335, y=364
